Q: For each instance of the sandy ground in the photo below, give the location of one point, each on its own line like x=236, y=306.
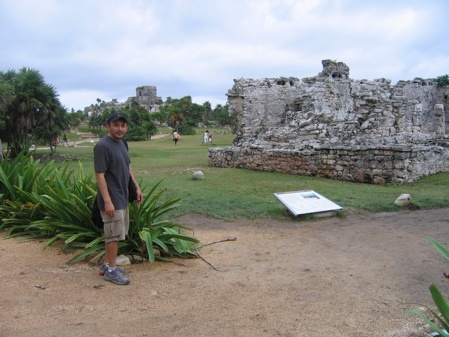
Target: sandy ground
x=332, y=277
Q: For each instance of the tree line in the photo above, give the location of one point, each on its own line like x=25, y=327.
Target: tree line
x=181, y=114
x=31, y=113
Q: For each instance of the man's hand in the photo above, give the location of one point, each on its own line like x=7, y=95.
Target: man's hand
x=109, y=208
x=139, y=196
x=138, y=190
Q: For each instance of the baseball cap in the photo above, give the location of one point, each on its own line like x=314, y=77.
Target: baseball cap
x=116, y=116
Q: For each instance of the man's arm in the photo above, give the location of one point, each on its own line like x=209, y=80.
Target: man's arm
x=103, y=188
x=139, y=192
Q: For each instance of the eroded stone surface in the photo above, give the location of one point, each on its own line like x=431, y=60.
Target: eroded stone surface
x=332, y=126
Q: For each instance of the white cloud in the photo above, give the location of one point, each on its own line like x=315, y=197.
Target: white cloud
x=106, y=48
x=72, y=98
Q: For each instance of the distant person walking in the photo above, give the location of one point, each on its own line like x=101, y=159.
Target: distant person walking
x=64, y=139
x=176, y=137
x=206, y=137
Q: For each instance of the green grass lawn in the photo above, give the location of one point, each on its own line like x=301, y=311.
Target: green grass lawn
x=232, y=193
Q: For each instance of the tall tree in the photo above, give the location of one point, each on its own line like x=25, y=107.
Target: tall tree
x=98, y=114
x=54, y=122
x=220, y=115
x=142, y=125
x=182, y=114
x=207, y=110
x=30, y=111
x=6, y=97
x=176, y=120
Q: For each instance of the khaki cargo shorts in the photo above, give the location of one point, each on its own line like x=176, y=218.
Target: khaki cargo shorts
x=117, y=227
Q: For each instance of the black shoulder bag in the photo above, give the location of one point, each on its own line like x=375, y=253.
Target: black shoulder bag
x=132, y=192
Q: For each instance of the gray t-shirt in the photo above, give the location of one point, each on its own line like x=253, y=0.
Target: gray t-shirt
x=112, y=159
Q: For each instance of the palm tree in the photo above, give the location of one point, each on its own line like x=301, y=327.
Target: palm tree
x=53, y=123
x=176, y=119
x=29, y=110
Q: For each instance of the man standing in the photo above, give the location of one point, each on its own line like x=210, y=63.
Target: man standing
x=112, y=172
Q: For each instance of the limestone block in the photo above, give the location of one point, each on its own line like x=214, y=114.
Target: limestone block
x=403, y=200
x=198, y=175
x=122, y=260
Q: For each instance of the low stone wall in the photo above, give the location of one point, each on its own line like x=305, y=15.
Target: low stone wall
x=399, y=164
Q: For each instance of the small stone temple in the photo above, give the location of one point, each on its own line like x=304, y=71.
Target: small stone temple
x=146, y=96
x=336, y=127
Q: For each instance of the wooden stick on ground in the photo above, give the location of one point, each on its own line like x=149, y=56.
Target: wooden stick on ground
x=211, y=243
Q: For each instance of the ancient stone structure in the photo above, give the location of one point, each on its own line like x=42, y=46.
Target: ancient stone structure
x=332, y=126
x=146, y=96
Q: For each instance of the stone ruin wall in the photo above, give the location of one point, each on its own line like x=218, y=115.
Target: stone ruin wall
x=335, y=127
x=146, y=96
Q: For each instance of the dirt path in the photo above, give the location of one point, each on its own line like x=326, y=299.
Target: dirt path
x=333, y=277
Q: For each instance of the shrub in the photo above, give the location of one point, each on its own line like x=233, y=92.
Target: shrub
x=443, y=80
x=45, y=201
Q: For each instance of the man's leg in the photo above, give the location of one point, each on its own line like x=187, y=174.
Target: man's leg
x=115, y=230
x=110, y=258
x=111, y=250
x=113, y=273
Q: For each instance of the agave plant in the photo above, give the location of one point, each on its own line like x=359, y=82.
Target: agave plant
x=150, y=230
x=57, y=210
x=23, y=173
x=44, y=201
x=442, y=313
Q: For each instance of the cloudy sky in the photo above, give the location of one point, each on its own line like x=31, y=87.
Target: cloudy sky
x=89, y=49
